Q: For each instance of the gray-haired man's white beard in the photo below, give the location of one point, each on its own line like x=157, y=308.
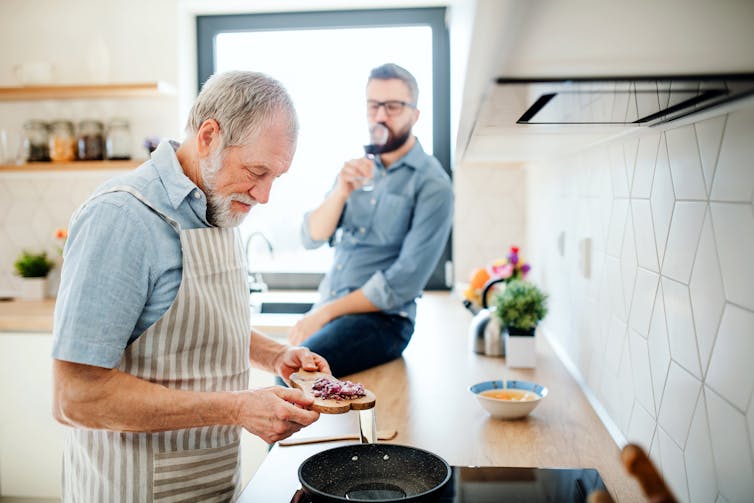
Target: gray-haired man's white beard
x=218, y=207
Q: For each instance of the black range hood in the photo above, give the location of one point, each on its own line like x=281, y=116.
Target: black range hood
x=637, y=101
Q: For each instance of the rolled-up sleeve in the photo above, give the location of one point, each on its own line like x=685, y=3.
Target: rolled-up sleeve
x=306, y=235
x=423, y=245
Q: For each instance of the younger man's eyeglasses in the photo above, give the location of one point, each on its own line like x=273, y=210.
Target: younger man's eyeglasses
x=392, y=107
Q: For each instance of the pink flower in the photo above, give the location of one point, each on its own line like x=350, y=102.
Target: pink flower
x=503, y=271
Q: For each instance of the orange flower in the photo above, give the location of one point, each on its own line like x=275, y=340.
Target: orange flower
x=61, y=233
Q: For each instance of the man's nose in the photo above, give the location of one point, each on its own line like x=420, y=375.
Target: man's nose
x=261, y=191
x=381, y=114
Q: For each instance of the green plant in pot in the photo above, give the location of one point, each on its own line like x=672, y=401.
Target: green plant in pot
x=33, y=269
x=519, y=308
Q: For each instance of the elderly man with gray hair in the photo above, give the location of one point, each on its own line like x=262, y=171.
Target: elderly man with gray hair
x=152, y=336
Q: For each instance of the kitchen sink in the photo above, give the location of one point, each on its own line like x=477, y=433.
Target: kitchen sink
x=285, y=307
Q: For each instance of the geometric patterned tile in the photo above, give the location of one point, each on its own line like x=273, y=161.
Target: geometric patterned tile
x=734, y=178
x=662, y=199
x=673, y=467
x=645, y=166
x=730, y=449
x=734, y=235
x=709, y=133
x=730, y=372
x=750, y=423
x=678, y=403
x=618, y=171
x=700, y=467
x=615, y=287
x=628, y=262
x=681, y=336
x=641, y=427
x=646, y=249
x=683, y=237
x=707, y=293
x=630, y=151
x=642, y=375
x=643, y=300
x=659, y=349
x=685, y=165
x=617, y=227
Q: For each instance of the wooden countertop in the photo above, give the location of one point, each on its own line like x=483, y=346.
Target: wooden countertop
x=26, y=315
x=424, y=396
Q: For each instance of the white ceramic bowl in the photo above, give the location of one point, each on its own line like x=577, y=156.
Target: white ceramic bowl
x=508, y=409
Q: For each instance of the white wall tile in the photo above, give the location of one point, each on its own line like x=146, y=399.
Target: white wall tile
x=646, y=248
x=630, y=151
x=673, y=467
x=643, y=300
x=641, y=428
x=685, y=165
x=707, y=294
x=617, y=228
x=683, y=239
x=678, y=403
x=615, y=288
x=618, y=170
x=734, y=176
x=659, y=349
x=662, y=199
x=730, y=371
x=700, y=467
x=642, y=375
x=628, y=262
x=709, y=133
x=680, y=326
x=732, y=455
x=645, y=165
x=734, y=233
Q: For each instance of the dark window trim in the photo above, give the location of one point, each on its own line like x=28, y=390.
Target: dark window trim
x=209, y=26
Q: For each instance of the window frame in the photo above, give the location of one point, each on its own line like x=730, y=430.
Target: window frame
x=209, y=26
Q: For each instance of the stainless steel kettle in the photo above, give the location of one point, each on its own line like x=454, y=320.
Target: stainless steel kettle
x=485, y=332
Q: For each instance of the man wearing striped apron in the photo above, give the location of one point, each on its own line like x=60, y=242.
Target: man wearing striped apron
x=152, y=332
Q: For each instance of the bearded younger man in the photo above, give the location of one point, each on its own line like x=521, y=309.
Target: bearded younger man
x=387, y=240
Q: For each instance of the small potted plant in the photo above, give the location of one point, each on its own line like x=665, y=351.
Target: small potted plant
x=519, y=308
x=33, y=269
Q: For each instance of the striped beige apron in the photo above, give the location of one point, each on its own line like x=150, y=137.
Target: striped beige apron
x=201, y=343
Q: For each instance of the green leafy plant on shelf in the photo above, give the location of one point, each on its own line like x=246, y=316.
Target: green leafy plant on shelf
x=520, y=306
x=33, y=265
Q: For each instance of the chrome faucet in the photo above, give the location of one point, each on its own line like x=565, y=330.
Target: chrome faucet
x=257, y=284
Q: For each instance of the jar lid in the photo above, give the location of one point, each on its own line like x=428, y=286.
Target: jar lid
x=61, y=123
x=90, y=123
x=35, y=123
x=118, y=121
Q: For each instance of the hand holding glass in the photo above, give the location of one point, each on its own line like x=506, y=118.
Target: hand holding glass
x=378, y=134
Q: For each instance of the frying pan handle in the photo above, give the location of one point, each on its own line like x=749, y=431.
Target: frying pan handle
x=487, y=287
x=640, y=466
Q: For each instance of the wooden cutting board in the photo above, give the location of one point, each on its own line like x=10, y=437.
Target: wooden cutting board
x=304, y=380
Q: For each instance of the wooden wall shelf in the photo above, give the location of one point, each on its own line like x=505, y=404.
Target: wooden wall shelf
x=86, y=91
x=35, y=167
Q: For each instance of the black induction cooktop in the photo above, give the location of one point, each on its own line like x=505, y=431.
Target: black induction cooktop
x=494, y=484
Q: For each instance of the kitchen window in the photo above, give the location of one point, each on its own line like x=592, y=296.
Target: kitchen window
x=324, y=59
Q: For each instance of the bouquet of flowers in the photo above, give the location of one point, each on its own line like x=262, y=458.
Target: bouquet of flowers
x=509, y=268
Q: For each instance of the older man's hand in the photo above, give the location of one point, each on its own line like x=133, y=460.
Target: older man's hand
x=274, y=413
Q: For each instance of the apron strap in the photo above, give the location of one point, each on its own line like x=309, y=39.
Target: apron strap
x=138, y=195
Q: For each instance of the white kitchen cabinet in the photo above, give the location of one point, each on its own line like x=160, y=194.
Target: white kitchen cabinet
x=31, y=441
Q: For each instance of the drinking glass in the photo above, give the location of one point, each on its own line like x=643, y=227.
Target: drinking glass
x=378, y=135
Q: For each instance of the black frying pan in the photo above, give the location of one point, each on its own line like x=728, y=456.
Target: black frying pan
x=374, y=472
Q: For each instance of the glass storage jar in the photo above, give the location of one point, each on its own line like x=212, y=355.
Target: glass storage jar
x=35, y=141
x=62, y=141
x=91, y=140
x=118, y=143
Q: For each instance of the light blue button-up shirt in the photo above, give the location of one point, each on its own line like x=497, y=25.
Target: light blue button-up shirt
x=388, y=240
x=122, y=263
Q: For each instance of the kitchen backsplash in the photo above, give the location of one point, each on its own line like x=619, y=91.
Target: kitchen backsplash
x=32, y=206
x=661, y=326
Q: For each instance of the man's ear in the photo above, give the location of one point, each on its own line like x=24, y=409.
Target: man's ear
x=208, y=137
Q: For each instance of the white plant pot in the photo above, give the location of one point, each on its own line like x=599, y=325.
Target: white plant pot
x=520, y=350
x=33, y=288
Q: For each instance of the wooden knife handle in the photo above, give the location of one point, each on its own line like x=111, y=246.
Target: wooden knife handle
x=640, y=466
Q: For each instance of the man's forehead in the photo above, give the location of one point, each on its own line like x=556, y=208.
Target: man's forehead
x=388, y=89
